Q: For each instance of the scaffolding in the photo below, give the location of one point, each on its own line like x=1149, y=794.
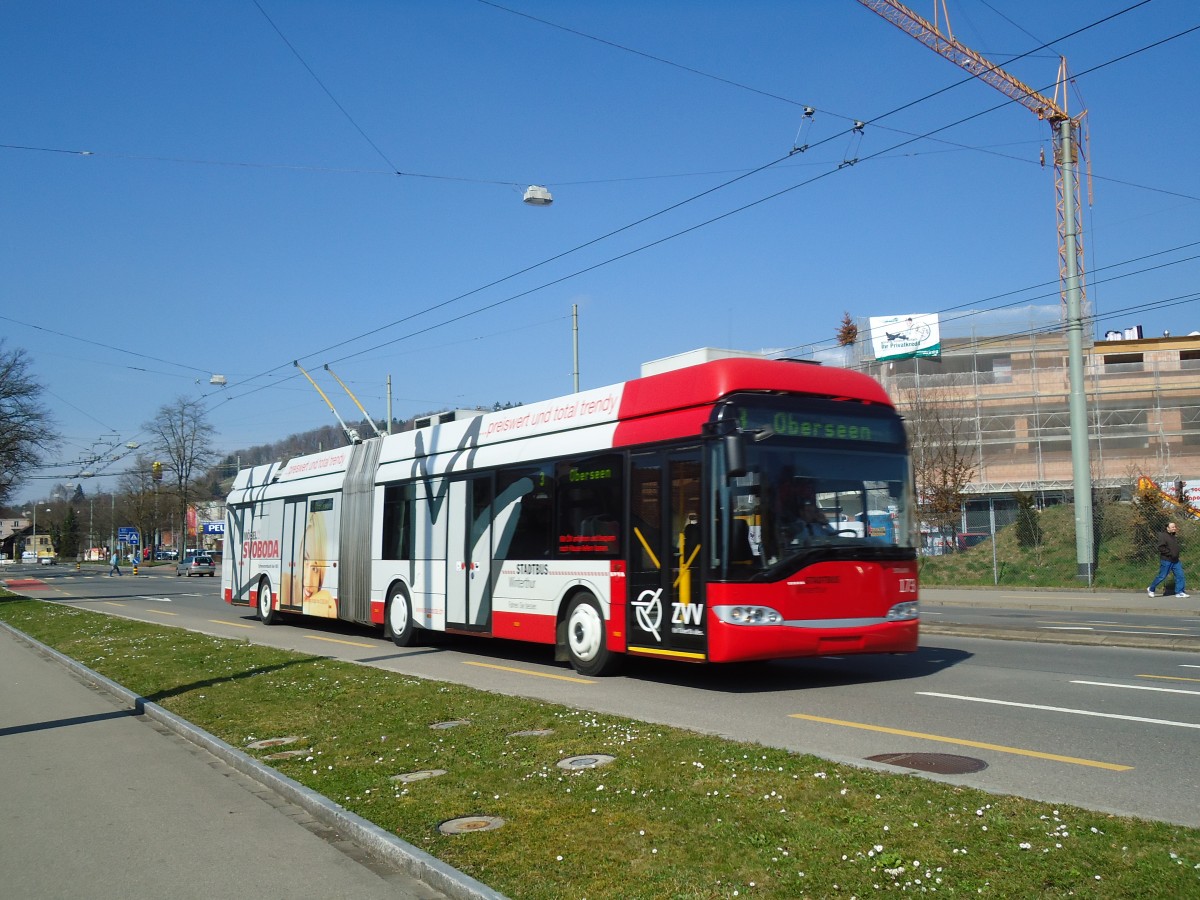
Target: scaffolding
x=1010, y=398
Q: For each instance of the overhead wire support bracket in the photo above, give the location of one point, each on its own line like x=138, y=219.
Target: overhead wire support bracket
x=351, y=434
x=797, y=147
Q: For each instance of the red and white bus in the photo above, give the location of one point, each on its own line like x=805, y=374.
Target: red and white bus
x=739, y=509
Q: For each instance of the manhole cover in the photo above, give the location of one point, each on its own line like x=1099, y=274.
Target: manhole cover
x=937, y=763
x=585, y=762
x=451, y=724
x=410, y=777
x=287, y=754
x=535, y=732
x=272, y=742
x=470, y=824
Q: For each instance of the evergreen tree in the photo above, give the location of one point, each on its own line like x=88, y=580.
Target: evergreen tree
x=1029, y=529
x=67, y=543
x=847, y=332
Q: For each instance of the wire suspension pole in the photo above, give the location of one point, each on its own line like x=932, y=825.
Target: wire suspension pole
x=575, y=340
x=1081, y=468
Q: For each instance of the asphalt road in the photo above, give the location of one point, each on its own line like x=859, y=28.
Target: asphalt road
x=1081, y=704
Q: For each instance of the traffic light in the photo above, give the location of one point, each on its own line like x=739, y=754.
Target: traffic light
x=156, y=471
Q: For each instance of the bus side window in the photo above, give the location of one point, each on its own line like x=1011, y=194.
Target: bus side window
x=397, y=521
x=525, y=513
x=590, y=507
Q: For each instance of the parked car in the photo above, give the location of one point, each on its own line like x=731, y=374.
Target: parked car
x=197, y=565
x=968, y=539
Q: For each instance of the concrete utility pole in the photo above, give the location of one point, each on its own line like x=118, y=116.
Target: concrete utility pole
x=1081, y=468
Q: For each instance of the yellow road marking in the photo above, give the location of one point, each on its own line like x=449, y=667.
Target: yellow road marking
x=314, y=637
x=528, y=672
x=1000, y=748
x=161, y=612
x=114, y=603
x=232, y=624
x=1169, y=677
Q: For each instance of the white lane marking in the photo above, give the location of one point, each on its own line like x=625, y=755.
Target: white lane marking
x=1188, y=666
x=1061, y=709
x=156, y=599
x=1138, y=687
x=1068, y=628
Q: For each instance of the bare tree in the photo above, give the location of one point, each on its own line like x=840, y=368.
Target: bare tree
x=24, y=422
x=943, y=448
x=142, y=501
x=183, y=442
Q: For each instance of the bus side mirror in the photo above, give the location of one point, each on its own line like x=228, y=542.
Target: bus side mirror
x=735, y=455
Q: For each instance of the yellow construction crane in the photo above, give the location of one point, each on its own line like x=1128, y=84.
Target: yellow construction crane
x=1066, y=129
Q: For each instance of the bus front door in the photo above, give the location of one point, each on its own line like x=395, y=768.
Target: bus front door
x=469, y=555
x=666, y=606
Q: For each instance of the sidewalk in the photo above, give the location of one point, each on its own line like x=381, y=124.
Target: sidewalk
x=106, y=803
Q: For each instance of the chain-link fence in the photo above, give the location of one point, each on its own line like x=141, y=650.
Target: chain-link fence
x=1018, y=541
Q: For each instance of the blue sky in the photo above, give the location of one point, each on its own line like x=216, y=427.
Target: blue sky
x=209, y=188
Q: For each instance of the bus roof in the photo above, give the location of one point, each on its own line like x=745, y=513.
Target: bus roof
x=665, y=405
x=710, y=381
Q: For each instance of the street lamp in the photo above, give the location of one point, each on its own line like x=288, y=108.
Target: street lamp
x=537, y=195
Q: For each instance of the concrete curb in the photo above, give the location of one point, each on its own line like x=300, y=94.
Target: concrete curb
x=1080, y=606
x=382, y=844
x=992, y=633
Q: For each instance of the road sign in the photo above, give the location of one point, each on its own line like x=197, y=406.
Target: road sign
x=128, y=534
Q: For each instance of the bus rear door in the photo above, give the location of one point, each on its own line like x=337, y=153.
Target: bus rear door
x=469, y=554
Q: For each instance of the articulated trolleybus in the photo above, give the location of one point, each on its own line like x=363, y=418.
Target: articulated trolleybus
x=738, y=509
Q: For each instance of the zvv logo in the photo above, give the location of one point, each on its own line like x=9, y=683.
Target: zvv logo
x=687, y=614
x=649, y=611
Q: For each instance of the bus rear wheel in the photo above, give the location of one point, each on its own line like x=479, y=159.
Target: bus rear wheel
x=400, y=627
x=266, y=609
x=586, y=646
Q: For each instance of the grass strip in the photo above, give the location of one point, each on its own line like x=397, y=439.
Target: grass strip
x=675, y=815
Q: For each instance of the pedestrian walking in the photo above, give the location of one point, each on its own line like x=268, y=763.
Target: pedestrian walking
x=1168, y=552
x=116, y=565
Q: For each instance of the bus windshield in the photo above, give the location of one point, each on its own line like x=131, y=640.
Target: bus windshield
x=797, y=504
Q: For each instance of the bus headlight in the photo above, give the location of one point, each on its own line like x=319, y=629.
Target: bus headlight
x=748, y=615
x=903, y=612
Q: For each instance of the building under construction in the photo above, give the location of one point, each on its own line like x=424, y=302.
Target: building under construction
x=1004, y=401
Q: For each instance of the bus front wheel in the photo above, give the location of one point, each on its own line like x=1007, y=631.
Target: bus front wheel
x=399, y=618
x=585, y=638
x=266, y=609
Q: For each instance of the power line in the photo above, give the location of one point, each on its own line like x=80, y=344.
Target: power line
x=328, y=93
x=669, y=237
x=101, y=345
x=712, y=190
x=662, y=240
